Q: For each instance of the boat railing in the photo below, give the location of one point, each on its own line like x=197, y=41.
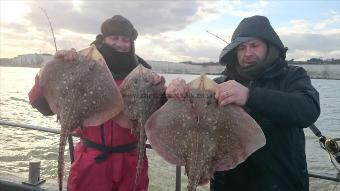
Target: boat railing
x=328, y=144
x=71, y=147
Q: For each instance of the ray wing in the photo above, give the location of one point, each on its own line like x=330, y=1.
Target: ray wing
x=240, y=136
x=168, y=128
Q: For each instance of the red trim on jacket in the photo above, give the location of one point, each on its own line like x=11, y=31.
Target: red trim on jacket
x=37, y=99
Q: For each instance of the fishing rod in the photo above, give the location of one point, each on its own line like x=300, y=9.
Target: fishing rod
x=51, y=27
x=217, y=36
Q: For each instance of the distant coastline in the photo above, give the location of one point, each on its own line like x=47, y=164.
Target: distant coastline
x=316, y=68
x=26, y=60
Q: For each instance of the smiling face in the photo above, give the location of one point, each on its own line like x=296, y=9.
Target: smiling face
x=251, y=52
x=118, y=42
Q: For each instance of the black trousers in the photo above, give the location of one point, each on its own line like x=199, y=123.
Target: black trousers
x=232, y=180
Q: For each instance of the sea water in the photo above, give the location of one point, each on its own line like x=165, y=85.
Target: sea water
x=18, y=146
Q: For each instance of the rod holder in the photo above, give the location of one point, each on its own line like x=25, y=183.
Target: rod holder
x=34, y=174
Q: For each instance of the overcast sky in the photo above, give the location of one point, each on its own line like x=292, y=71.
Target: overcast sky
x=169, y=30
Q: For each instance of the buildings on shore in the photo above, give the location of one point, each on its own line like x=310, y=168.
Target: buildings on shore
x=316, y=68
x=36, y=60
x=26, y=60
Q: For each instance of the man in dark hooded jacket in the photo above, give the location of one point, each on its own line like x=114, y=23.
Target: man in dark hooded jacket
x=278, y=96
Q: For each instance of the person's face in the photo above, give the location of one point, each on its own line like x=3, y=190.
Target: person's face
x=118, y=42
x=251, y=52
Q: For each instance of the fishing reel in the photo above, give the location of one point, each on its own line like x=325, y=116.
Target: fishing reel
x=328, y=144
x=331, y=146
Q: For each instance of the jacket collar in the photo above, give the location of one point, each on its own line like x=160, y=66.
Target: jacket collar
x=277, y=69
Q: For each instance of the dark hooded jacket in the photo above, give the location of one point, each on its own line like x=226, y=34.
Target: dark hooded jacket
x=283, y=102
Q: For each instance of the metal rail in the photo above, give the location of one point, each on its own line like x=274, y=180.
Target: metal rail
x=38, y=128
x=335, y=178
x=71, y=148
x=44, y=129
x=324, y=176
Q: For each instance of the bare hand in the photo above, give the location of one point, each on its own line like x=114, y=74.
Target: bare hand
x=68, y=55
x=177, y=89
x=231, y=92
x=158, y=79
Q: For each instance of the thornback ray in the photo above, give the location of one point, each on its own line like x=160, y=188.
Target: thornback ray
x=201, y=135
x=81, y=93
x=141, y=98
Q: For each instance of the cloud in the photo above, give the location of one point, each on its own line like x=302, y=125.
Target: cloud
x=75, y=23
x=151, y=17
x=305, y=26
x=14, y=12
x=168, y=30
x=30, y=39
x=166, y=47
x=209, y=10
x=172, y=46
x=334, y=19
x=19, y=39
x=306, y=39
x=310, y=41
x=87, y=16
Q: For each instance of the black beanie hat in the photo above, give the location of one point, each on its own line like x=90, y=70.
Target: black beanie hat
x=118, y=25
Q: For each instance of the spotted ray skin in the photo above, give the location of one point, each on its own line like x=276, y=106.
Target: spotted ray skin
x=81, y=94
x=141, y=98
x=201, y=135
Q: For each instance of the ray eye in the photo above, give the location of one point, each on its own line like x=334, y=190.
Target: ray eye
x=146, y=80
x=135, y=81
x=208, y=102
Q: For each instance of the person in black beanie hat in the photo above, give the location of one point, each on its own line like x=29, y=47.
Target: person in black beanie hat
x=280, y=97
x=116, y=44
x=94, y=169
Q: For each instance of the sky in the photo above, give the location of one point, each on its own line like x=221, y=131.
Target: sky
x=174, y=30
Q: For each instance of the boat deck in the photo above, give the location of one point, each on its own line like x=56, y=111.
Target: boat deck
x=10, y=182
